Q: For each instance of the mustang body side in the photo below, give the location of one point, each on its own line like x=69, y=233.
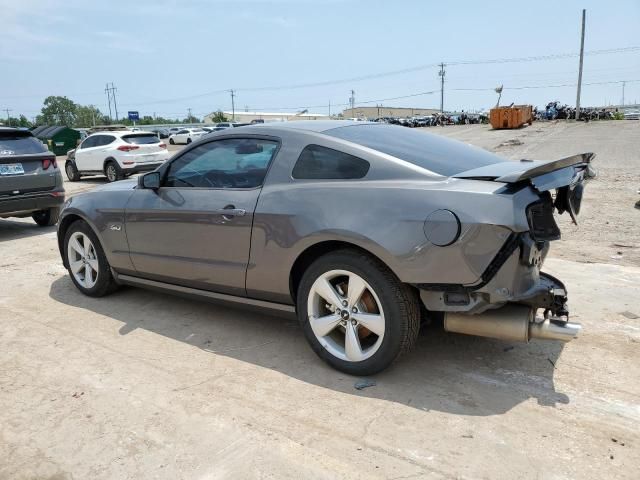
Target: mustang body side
x=403, y=218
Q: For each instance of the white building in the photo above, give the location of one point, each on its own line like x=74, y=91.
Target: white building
x=247, y=117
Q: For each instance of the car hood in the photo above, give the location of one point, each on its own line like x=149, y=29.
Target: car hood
x=121, y=185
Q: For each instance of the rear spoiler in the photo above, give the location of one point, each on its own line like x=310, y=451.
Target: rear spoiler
x=514, y=172
x=581, y=159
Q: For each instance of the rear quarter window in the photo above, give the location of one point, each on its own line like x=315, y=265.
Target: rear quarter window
x=433, y=152
x=321, y=163
x=19, y=144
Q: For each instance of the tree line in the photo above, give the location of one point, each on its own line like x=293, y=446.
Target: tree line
x=57, y=110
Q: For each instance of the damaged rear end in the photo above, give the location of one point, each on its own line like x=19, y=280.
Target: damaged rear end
x=514, y=300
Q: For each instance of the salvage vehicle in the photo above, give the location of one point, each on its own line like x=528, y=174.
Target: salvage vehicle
x=30, y=181
x=361, y=229
x=115, y=154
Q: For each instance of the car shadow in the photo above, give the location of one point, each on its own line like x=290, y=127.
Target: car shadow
x=11, y=229
x=446, y=372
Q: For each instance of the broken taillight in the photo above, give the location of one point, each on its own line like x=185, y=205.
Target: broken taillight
x=541, y=222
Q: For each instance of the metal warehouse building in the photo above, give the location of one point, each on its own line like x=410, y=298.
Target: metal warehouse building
x=381, y=111
x=247, y=117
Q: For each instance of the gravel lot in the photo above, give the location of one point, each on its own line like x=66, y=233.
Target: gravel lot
x=142, y=385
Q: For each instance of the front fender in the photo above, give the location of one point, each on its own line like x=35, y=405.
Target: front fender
x=103, y=211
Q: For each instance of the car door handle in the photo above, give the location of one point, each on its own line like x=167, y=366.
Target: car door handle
x=230, y=211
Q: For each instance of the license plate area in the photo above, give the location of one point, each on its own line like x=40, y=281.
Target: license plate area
x=11, y=169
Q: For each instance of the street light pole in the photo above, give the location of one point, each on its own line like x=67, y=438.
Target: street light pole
x=584, y=12
x=441, y=74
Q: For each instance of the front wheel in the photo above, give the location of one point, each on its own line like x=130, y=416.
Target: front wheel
x=72, y=172
x=188, y=141
x=171, y=141
x=86, y=261
x=356, y=314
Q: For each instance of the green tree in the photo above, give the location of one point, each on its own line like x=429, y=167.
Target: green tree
x=88, y=116
x=57, y=111
x=21, y=121
x=219, y=117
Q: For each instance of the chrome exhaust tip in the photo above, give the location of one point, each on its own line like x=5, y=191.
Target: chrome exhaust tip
x=512, y=323
x=554, y=330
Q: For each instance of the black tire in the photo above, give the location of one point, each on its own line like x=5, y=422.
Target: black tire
x=399, y=302
x=72, y=172
x=188, y=141
x=113, y=172
x=46, y=218
x=171, y=141
x=105, y=284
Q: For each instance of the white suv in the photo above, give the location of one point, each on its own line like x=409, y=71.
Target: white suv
x=116, y=155
x=186, y=136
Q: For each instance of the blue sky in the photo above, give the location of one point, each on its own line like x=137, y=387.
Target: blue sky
x=165, y=56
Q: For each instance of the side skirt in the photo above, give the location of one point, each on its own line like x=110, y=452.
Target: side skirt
x=194, y=293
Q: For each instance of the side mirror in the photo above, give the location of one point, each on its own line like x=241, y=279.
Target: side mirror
x=150, y=180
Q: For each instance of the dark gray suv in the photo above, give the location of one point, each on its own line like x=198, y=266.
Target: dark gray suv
x=30, y=181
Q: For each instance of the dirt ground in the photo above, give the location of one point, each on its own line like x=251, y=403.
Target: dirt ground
x=141, y=385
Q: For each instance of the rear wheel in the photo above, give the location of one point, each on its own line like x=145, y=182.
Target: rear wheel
x=356, y=314
x=46, y=218
x=171, y=141
x=188, y=141
x=72, y=172
x=87, y=263
x=113, y=172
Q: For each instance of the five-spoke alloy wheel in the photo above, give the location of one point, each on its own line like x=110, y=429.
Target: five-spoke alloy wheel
x=86, y=261
x=83, y=260
x=355, y=313
x=345, y=315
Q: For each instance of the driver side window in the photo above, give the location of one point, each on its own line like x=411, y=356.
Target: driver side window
x=231, y=163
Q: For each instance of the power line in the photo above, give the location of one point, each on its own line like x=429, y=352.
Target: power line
x=526, y=87
x=402, y=71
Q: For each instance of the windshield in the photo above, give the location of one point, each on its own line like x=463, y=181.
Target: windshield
x=435, y=153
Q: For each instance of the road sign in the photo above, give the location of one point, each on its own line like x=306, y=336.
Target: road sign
x=133, y=116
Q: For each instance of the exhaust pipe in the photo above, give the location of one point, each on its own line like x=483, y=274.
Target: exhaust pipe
x=512, y=322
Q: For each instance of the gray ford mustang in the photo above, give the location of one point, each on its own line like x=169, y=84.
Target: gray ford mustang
x=361, y=229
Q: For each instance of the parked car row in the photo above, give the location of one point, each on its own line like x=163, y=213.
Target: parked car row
x=436, y=119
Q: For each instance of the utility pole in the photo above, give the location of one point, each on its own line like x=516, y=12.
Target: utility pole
x=329, y=109
x=233, y=104
x=93, y=114
x=108, y=92
x=352, y=101
x=189, y=115
x=441, y=75
x=623, y=85
x=584, y=13
x=8, y=117
x=115, y=105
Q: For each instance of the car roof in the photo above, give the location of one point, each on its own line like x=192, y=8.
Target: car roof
x=4, y=129
x=312, y=125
